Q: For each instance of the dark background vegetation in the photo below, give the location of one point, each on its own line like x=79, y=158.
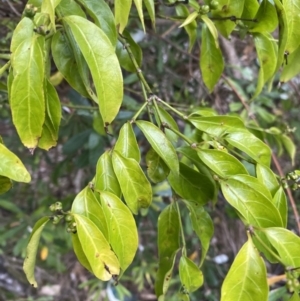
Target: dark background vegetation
x=58, y=175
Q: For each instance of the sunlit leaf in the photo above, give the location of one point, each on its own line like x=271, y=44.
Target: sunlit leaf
x=122, y=10
x=126, y=144
x=31, y=250
x=247, y=277
x=12, y=167
x=135, y=187
x=160, y=144
x=122, y=230
x=280, y=203
x=97, y=250
x=190, y=18
x=212, y=28
x=266, y=176
x=292, y=68
x=103, y=63
x=139, y=8
x=151, y=10
x=289, y=147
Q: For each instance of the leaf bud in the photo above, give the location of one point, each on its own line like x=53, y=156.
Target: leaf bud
x=52, y=207
x=55, y=220
x=30, y=11
x=68, y=218
x=58, y=206
x=204, y=9
x=214, y=4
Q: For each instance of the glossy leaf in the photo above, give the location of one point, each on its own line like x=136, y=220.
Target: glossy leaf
x=289, y=147
x=122, y=10
x=251, y=145
x=69, y=8
x=135, y=187
x=160, y=144
x=126, y=144
x=250, y=9
x=266, y=18
x=151, y=10
x=190, y=18
x=106, y=179
x=123, y=56
x=27, y=95
x=286, y=243
x=157, y=170
x=102, y=15
x=12, y=167
x=65, y=62
x=103, y=63
x=168, y=245
x=5, y=184
x=212, y=28
x=211, y=60
x=122, y=230
x=227, y=8
x=97, y=250
x=247, y=277
x=52, y=119
x=165, y=117
x=267, y=59
x=202, y=225
x=266, y=176
x=292, y=68
x=139, y=8
x=31, y=250
x=280, y=203
x=191, y=185
x=191, y=28
x=79, y=252
x=86, y=204
x=252, y=200
x=217, y=125
x=190, y=275
x=292, y=11
x=222, y=163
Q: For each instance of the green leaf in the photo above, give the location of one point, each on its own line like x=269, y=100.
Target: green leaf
x=139, y=7
x=86, y=204
x=135, y=187
x=160, y=144
x=295, y=297
x=27, y=93
x=65, y=62
x=202, y=225
x=122, y=230
x=217, y=125
x=289, y=147
x=48, y=7
x=103, y=63
x=266, y=18
x=227, y=8
x=267, y=59
x=211, y=60
x=79, y=252
x=97, y=250
x=212, y=28
x=286, y=243
x=157, y=170
x=292, y=11
x=168, y=245
x=126, y=144
x=165, y=117
x=247, y=277
x=5, y=184
x=123, y=56
x=292, y=68
x=12, y=167
x=103, y=17
x=222, y=163
x=191, y=28
x=251, y=145
x=69, y=8
x=252, y=200
x=250, y=9
x=280, y=203
x=190, y=18
x=190, y=275
x=106, y=179
x=151, y=10
x=191, y=185
x=266, y=176
x=31, y=250
x=122, y=10
x=52, y=119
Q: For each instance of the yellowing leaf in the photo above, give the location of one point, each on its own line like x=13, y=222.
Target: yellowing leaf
x=103, y=63
x=122, y=10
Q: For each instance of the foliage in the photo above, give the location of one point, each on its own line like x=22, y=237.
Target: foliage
x=229, y=154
